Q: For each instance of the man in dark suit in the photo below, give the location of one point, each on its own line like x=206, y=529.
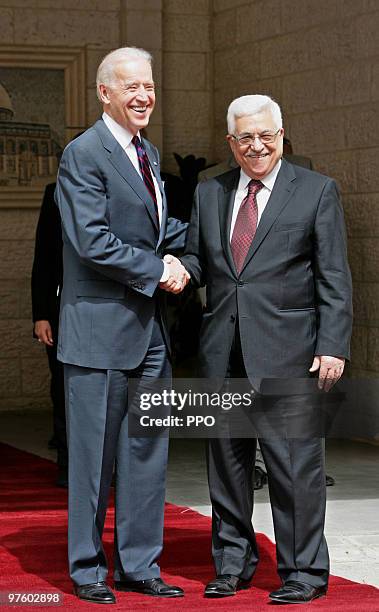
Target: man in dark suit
x=47, y=276
x=268, y=240
x=112, y=328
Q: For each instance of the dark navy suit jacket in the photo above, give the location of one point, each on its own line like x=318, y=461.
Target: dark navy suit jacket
x=112, y=253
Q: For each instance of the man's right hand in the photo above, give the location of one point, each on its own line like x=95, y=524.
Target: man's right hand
x=42, y=330
x=178, y=275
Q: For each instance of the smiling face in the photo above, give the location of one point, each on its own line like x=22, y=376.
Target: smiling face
x=130, y=99
x=257, y=160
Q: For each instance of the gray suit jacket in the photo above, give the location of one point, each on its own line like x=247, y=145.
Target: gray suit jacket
x=293, y=296
x=112, y=250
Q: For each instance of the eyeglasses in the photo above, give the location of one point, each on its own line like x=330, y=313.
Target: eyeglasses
x=246, y=140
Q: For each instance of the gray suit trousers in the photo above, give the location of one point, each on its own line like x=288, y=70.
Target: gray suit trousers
x=296, y=479
x=97, y=427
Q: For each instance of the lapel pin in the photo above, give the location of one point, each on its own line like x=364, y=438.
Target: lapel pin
x=155, y=163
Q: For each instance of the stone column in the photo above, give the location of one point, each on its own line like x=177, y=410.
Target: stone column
x=187, y=80
x=141, y=26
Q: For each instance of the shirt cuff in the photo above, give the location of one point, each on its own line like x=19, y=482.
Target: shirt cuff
x=166, y=273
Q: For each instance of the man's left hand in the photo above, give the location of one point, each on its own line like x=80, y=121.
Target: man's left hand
x=331, y=369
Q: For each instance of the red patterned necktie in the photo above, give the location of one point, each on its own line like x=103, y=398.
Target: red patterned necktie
x=145, y=170
x=246, y=225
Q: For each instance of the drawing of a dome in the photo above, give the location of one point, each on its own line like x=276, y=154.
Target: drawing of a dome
x=27, y=149
x=6, y=110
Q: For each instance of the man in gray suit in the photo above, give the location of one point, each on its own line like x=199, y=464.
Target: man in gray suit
x=112, y=329
x=268, y=240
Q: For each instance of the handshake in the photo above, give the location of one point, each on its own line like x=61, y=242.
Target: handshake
x=178, y=276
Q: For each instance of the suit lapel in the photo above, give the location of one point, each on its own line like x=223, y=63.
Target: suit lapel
x=154, y=165
x=226, y=196
x=121, y=162
x=283, y=189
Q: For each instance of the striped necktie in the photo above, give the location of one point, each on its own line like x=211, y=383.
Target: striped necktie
x=245, y=225
x=145, y=170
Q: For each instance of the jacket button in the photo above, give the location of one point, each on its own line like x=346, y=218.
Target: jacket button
x=240, y=283
x=232, y=318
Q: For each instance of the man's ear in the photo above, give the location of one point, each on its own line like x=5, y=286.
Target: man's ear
x=104, y=94
x=230, y=140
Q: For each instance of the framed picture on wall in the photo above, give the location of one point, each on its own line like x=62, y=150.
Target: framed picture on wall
x=32, y=125
x=42, y=105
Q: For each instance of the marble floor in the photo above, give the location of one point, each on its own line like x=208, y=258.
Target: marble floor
x=352, y=522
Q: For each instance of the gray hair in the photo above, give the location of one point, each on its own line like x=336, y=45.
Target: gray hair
x=251, y=105
x=106, y=71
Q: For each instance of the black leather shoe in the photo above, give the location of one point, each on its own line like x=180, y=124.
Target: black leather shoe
x=297, y=592
x=155, y=587
x=260, y=478
x=96, y=592
x=224, y=586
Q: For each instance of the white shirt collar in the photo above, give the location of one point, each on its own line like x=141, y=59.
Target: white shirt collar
x=268, y=181
x=121, y=134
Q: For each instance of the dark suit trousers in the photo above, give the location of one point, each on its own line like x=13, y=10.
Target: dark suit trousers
x=97, y=420
x=296, y=477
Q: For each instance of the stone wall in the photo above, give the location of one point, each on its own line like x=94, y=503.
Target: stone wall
x=320, y=61
x=23, y=369
x=141, y=26
x=91, y=25
x=187, y=80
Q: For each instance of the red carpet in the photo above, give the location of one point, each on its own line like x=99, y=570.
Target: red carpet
x=33, y=553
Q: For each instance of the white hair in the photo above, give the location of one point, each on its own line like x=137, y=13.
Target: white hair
x=106, y=71
x=251, y=105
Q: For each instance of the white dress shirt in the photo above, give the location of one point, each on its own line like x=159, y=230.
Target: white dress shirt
x=124, y=138
x=262, y=195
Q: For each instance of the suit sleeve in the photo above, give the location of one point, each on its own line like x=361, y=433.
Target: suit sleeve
x=332, y=276
x=176, y=230
x=47, y=263
x=193, y=258
x=175, y=237
x=82, y=200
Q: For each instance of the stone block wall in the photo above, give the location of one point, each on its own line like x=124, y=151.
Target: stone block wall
x=187, y=80
x=141, y=26
x=93, y=26
x=319, y=60
x=23, y=372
